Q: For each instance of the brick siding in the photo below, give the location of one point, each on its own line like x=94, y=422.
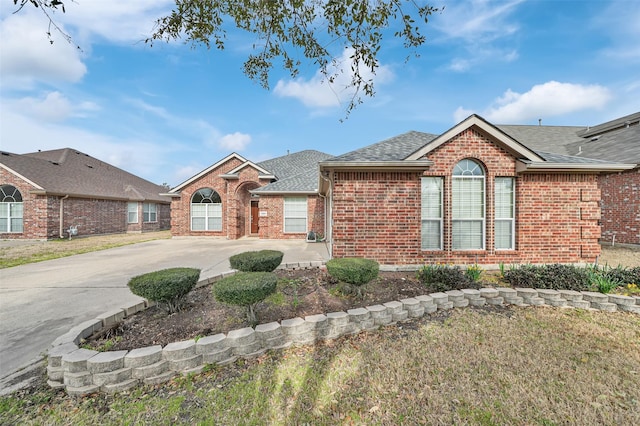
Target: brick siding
x=236, y=206
x=377, y=214
x=621, y=207
x=41, y=214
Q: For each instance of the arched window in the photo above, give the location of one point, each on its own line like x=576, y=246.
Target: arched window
x=468, y=206
x=206, y=210
x=11, y=209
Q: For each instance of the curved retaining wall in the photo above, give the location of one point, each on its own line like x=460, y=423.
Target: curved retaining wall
x=83, y=371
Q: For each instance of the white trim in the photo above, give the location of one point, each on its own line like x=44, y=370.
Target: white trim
x=13, y=172
x=248, y=163
x=207, y=170
x=533, y=166
x=475, y=120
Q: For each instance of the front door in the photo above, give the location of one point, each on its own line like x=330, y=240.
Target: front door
x=254, y=217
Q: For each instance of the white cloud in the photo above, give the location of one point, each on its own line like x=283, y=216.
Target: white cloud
x=27, y=56
x=234, y=141
x=317, y=92
x=52, y=107
x=476, y=21
x=543, y=100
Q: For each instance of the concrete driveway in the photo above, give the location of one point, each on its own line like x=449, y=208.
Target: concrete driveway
x=41, y=301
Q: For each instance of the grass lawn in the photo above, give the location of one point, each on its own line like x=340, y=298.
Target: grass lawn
x=533, y=366
x=23, y=252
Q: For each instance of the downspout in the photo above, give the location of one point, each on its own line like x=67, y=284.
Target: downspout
x=328, y=220
x=62, y=214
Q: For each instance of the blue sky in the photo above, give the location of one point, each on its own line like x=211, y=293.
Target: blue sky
x=166, y=112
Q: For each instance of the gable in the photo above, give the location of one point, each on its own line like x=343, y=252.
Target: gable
x=234, y=158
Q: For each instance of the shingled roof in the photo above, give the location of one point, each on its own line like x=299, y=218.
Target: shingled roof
x=68, y=171
x=297, y=172
x=393, y=149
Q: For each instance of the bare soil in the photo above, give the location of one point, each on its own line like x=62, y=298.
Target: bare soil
x=300, y=293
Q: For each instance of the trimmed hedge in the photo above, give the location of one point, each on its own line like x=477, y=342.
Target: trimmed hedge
x=167, y=286
x=445, y=277
x=354, y=271
x=553, y=276
x=257, y=261
x=245, y=289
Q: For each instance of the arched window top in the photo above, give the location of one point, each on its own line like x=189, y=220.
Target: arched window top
x=10, y=194
x=206, y=195
x=468, y=167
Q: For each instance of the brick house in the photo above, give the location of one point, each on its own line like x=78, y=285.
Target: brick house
x=614, y=141
x=235, y=197
x=43, y=194
x=473, y=194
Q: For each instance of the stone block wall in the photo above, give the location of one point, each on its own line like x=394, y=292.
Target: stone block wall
x=82, y=371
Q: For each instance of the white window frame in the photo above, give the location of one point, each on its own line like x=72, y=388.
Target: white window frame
x=498, y=208
x=290, y=213
x=11, y=207
x=457, y=180
x=147, y=212
x=426, y=210
x=211, y=211
x=132, y=212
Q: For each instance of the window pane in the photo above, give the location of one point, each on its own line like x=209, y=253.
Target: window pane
x=431, y=235
x=431, y=212
x=295, y=225
x=504, y=234
x=295, y=214
x=468, y=198
x=214, y=223
x=467, y=235
x=505, y=213
x=197, y=223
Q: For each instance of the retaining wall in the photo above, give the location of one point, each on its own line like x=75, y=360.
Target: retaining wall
x=82, y=371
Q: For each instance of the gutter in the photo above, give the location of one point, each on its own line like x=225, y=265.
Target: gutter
x=572, y=167
x=62, y=214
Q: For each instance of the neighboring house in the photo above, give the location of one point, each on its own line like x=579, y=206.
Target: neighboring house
x=236, y=197
x=615, y=141
x=43, y=194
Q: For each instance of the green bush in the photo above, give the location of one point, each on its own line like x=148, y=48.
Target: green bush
x=246, y=289
x=167, y=286
x=445, y=277
x=554, y=276
x=257, y=261
x=354, y=271
x=624, y=275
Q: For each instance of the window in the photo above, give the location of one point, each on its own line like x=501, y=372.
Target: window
x=206, y=210
x=295, y=214
x=132, y=213
x=505, y=213
x=431, y=213
x=149, y=212
x=11, y=209
x=467, y=206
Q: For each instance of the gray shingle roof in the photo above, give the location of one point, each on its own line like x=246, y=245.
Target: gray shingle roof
x=68, y=171
x=393, y=149
x=297, y=172
x=569, y=159
x=544, y=138
x=611, y=125
x=622, y=145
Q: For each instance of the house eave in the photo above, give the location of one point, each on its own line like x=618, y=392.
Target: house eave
x=532, y=167
x=410, y=165
x=255, y=192
x=96, y=197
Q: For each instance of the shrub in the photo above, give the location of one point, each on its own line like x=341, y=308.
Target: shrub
x=623, y=275
x=354, y=271
x=554, y=276
x=246, y=289
x=473, y=272
x=167, y=286
x=444, y=277
x=257, y=261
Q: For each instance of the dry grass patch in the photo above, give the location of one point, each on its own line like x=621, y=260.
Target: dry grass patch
x=534, y=366
x=14, y=253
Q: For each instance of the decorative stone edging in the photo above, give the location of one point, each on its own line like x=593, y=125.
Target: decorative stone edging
x=83, y=371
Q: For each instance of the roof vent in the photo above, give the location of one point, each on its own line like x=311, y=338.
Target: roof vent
x=6, y=153
x=89, y=166
x=55, y=163
x=627, y=124
x=595, y=138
